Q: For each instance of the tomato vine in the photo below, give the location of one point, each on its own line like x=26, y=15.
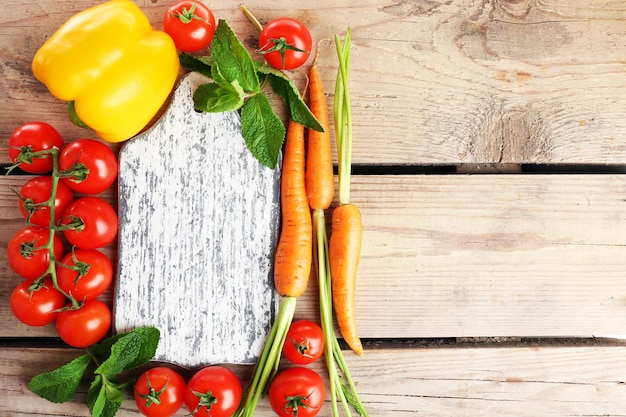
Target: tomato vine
x=37, y=254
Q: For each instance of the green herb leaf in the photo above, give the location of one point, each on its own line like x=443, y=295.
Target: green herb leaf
x=262, y=130
x=61, y=384
x=103, y=398
x=287, y=90
x=102, y=350
x=215, y=98
x=133, y=349
x=233, y=58
x=201, y=64
x=117, y=354
x=219, y=96
x=96, y=397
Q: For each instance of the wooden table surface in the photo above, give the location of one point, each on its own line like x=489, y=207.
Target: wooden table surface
x=489, y=152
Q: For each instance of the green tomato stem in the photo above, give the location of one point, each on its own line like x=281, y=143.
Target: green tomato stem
x=187, y=16
x=251, y=17
x=56, y=176
x=52, y=226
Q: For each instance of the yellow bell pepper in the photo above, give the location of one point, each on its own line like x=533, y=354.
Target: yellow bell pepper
x=109, y=62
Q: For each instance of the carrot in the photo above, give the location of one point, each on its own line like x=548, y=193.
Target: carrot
x=292, y=265
x=320, y=188
x=347, y=229
x=345, y=252
x=320, y=185
x=342, y=389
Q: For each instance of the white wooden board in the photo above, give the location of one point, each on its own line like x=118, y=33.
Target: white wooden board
x=199, y=219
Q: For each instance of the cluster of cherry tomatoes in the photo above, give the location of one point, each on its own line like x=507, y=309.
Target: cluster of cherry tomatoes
x=56, y=253
x=216, y=391
x=284, y=42
x=299, y=390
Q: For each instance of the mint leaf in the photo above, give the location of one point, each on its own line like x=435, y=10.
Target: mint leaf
x=219, y=96
x=116, y=354
x=287, y=90
x=102, y=350
x=103, y=398
x=60, y=385
x=201, y=64
x=215, y=98
x=233, y=58
x=96, y=397
x=262, y=130
x=133, y=349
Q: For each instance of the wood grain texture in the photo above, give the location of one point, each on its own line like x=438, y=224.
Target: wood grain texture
x=559, y=381
x=432, y=82
x=491, y=255
x=199, y=219
x=476, y=255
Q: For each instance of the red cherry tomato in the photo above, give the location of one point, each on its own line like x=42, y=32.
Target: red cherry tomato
x=216, y=386
x=159, y=392
x=304, y=343
x=94, y=163
x=93, y=276
x=26, y=254
x=297, y=391
x=36, y=308
x=84, y=326
x=37, y=190
x=96, y=223
x=34, y=137
x=191, y=24
x=285, y=43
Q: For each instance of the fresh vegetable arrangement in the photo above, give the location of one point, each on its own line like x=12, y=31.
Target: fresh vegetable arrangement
x=63, y=287
x=301, y=237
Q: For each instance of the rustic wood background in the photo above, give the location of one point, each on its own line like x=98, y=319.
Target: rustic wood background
x=489, y=158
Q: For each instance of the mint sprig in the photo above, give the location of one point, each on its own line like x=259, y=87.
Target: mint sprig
x=238, y=83
x=111, y=358
x=60, y=385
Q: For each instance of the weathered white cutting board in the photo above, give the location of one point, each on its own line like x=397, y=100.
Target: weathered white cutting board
x=198, y=224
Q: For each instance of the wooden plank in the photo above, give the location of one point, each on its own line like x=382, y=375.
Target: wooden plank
x=447, y=382
x=501, y=255
x=199, y=219
x=471, y=81
x=492, y=255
